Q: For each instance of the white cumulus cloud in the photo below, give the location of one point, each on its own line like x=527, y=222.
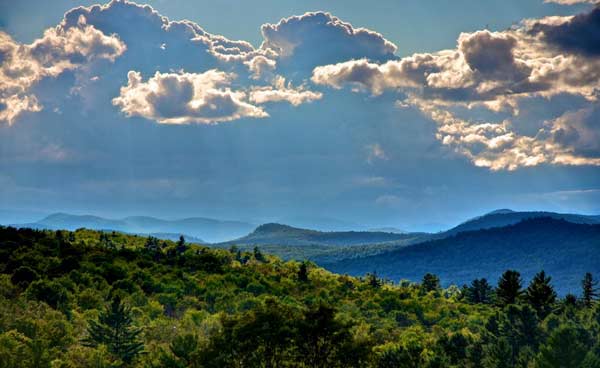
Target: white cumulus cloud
x=181, y=98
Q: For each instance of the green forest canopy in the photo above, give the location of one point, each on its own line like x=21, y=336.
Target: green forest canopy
x=94, y=299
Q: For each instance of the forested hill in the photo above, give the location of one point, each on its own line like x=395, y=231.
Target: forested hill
x=279, y=234
x=94, y=299
x=564, y=249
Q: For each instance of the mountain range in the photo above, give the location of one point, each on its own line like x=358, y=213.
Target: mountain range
x=565, y=245
x=195, y=229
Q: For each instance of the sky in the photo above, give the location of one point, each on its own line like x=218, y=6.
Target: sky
x=338, y=114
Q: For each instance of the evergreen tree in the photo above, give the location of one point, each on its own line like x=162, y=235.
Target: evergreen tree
x=480, y=292
x=258, y=255
x=303, y=272
x=114, y=330
x=181, y=245
x=373, y=280
x=430, y=283
x=565, y=348
x=589, y=290
x=541, y=295
x=509, y=287
x=151, y=245
x=570, y=300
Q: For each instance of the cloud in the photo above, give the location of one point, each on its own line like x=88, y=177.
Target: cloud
x=496, y=71
x=182, y=98
x=571, y=139
x=260, y=65
x=579, y=132
x=303, y=42
x=579, y=34
x=60, y=49
x=375, y=152
x=571, y=2
x=280, y=91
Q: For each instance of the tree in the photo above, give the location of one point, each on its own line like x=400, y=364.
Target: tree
x=541, y=295
x=509, y=287
x=373, y=280
x=324, y=339
x=565, y=348
x=430, y=283
x=181, y=245
x=114, y=330
x=480, y=292
x=590, y=293
x=258, y=255
x=511, y=335
x=303, y=272
x=152, y=244
x=51, y=292
x=23, y=276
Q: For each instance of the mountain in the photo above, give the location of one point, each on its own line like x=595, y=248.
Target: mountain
x=564, y=249
x=505, y=217
x=388, y=230
x=285, y=235
x=210, y=230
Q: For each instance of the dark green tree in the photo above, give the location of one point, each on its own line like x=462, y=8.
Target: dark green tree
x=590, y=292
x=303, y=272
x=430, y=283
x=540, y=294
x=23, y=276
x=181, y=245
x=509, y=288
x=570, y=300
x=565, y=348
x=182, y=353
x=258, y=255
x=325, y=340
x=373, y=280
x=114, y=329
x=480, y=292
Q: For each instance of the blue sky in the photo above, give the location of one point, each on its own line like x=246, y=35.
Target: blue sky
x=414, y=114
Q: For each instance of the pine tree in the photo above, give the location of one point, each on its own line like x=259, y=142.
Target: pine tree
x=565, y=348
x=589, y=290
x=373, y=280
x=114, y=330
x=480, y=292
x=509, y=287
x=181, y=245
x=430, y=283
x=303, y=272
x=541, y=295
x=258, y=255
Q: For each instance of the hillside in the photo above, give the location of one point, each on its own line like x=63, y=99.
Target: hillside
x=291, y=236
x=64, y=294
x=207, y=229
x=564, y=249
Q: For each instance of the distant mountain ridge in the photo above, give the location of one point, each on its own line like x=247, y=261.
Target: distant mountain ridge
x=505, y=217
x=564, y=249
x=210, y=230
x=273, y=233
x=291, y=242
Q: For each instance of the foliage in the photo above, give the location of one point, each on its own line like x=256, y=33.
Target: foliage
x=114, y=329
x=94, y=299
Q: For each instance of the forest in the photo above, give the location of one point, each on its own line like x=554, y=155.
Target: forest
x=105, y=299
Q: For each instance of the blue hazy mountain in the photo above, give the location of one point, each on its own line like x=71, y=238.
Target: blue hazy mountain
x=504, y=217
x=564, y=249
x=279, y=234
x=210, y=230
